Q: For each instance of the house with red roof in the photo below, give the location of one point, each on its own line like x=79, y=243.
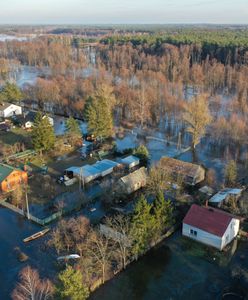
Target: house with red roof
x=210, y=226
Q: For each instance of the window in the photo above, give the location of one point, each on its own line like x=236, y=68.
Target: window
x=193, y=232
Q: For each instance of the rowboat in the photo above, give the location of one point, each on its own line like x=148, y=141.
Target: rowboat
x=71, y=256
x=36, y=235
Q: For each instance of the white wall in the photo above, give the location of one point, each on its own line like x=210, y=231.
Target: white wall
x=231, y=231
x=12, y=110
x=203, y=236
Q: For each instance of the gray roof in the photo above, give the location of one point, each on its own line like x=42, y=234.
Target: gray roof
x=130, y=159
x=221, y=196
x=105, y=165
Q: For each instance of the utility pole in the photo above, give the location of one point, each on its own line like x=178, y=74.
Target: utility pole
x=27, y=205
x=81, y=179
x=179, y=142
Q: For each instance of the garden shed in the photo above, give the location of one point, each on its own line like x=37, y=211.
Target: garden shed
x=130, y=161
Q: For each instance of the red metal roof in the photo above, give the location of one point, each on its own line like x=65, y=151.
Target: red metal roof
x=212, y=220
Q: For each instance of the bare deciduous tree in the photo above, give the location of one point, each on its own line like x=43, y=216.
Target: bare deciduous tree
x=99, y=248
x=197, y=117
x=32, y=287
x=121, y=229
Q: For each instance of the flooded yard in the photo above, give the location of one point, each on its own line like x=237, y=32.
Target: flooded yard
x=173, y=272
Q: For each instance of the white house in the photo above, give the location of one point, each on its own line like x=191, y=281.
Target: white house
x=8, y=110
x=27, y=120
x=210, y=226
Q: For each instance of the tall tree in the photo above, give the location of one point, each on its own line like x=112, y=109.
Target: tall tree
x=197, y=117
x=121, y=232
x=163, y=214
x=31, y=287
x=99, y=249
x=72, y=129
x=43, y=137
x=71, y=285
x=11, y=93
x=98, y=113
x=142, y=223
x=231, y=173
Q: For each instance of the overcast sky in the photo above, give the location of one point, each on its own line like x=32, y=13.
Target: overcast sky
x=123, y=11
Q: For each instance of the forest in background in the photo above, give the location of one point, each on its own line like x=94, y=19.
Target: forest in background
x=151, y=72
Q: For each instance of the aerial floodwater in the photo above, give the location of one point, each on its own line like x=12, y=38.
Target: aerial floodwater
x=171, y=271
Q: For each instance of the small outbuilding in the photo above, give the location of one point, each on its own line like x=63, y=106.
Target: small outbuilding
x=210, y=226
x=11, y=178
x=133, y=181
x=86, y=173
x=224, y=195
x=190, y=173
x=130, y=161
x=8, y=110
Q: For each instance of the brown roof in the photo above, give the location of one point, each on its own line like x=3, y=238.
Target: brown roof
x=208, y=219
x=180, y=167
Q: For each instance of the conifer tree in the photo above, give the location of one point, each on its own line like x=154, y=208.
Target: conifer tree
x=71, y=285
x=142, y=224
x=43, y=137
x=98, y=113
x=72, y=129
x=10, y=93
x=163, y=214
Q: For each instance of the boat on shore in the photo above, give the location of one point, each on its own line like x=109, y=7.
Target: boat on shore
x=36, y=235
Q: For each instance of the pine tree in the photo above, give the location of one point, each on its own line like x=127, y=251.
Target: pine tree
x=71, y=285
x=142, y=224
x=72, y=129
x=10, y=93
x=98, y=113
x=43, y=136
x=142, y=153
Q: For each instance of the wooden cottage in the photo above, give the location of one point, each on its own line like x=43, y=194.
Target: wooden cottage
x=10, y=178
x=133, y=181
x=190, y=173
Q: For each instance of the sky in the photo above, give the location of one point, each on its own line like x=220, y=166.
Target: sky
x=123, y=11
